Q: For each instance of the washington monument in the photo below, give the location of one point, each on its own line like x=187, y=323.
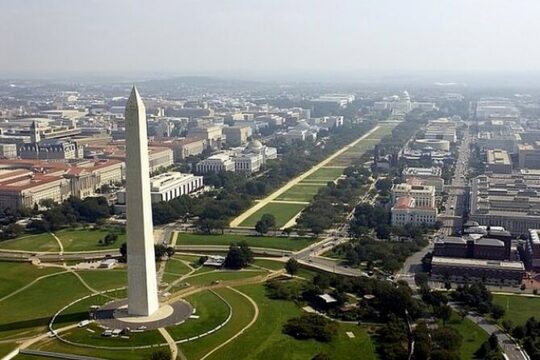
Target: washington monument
x=142, y=283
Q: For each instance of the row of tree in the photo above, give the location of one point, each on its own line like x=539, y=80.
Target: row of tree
x=333, y=201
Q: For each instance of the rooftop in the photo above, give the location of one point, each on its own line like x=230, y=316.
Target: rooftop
x=478, y=263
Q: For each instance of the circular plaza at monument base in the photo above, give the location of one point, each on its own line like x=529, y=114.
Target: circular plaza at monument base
x=115, y=315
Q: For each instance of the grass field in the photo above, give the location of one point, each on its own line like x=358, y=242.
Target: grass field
x=6, y=348
x=282, y=212
x=242, y=314
x=518, y=308
x=300, y=192
x=72, y=240
x=265, y=340
x=30, y=310
x=83, y=336
x=57, y=346
x=269, y=264
x=272, y=242
x=326, y=174
x=13, y=275
x=222, y=275
x=176, y=267
x=87, y=240
x=105, y=279
x=41, y=242
x=473, y=335
x=212, y=311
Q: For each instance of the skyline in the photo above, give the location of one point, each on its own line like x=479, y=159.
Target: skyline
x=274, y=38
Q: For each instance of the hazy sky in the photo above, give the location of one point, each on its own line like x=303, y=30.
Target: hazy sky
x=268, y=36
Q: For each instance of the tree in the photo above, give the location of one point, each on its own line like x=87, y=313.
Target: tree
x=160, y=355
x=160, y=251
x=202, y=260
x=110, y=238
x=267, y=222
x=311, y=326
x=170, y=251
x=292, y=266
x=123, y=251
x=239, y=256
x=261, y=227
x=444, y=312
x=497, y=311
x=46, y=203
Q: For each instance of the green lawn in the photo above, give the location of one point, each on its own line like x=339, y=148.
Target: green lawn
x=300, y=193
x=265, y=340
x=269, y=264
x=105, y=279
x=222, y=275
x=87, y=240
x=189, y=258
x=211, y=310
x=272, y=242
x=71, y=239
x=83, y=336
x=14, y=275
x=282, y=212
x=326, y=174
x=243, y=313
x=176, y=267
x=57, y=346
x=30, y=310
x=473, y=335
x=38, y=243
x=6, y=348
x=518, y=308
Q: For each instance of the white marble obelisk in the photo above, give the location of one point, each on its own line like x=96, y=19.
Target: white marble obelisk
x=142, y=281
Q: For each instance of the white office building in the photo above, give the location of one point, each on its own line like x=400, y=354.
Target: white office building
x=168, y=186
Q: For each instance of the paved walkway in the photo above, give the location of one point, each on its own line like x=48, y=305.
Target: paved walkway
x=170, y=341
x=60, y=245
x=240, y=219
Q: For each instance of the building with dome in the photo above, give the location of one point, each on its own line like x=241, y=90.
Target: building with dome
x=248, y=159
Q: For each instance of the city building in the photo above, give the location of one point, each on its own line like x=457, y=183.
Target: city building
x=405, y=211
x=532, y=250
x=491, y=272
x=442, y=129
x=428, y=176
x=498, y=161
x=500, y=141
x=8, y=151
x=168, y=186
x=182, y=148
x=248, y=163
x=212, y=134
x=160, y=158
x=28, y=189
x=529, y=155
x=51, y=150
x=475, y=248
x=215, y=163
x=508, y=200
x=431, y=144
x=424, y=195
x=237, y=135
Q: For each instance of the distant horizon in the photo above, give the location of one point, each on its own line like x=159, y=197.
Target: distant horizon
x=449, y=78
